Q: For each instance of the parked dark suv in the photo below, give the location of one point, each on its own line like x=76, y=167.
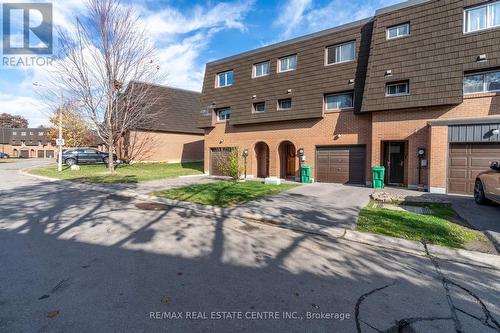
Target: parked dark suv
x=84, y=156
x=488, y=185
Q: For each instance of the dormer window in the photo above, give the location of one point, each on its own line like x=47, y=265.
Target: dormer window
x=398, y=31
x=482, y=17
x=224, y=79
x=286, y=64
x=223, y=114
x=340, y=53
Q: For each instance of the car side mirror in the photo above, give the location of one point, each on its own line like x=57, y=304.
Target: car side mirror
x=495, y=165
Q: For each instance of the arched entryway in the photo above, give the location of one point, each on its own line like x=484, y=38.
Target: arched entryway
x=262, y=158
x=15, y=153
x=288, y=160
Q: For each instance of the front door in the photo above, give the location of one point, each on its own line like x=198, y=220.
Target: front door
x=394, y=162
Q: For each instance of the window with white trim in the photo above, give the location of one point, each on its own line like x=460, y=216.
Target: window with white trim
x=398, y=31
x=223, y=114
x=40, y=133
x=23, y=133
x=482, y=17
x=339, y=101
x=288, y=63
x=285, y=104
x=340, y=53
x=259, y=107
x=482, y=82
x=224, y=79
x=261, y=69
x=397, y=89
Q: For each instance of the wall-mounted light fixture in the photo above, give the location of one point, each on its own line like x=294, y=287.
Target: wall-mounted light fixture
x=481, y=57
x=388, y=72
x=221, y=141
x=254, y=96
x=495, y=132
x=289, y=91
x=351, y=81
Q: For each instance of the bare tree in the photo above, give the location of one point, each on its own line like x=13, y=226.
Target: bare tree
x=106, y=62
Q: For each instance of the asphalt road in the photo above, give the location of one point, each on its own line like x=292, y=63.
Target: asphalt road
x=72, y=260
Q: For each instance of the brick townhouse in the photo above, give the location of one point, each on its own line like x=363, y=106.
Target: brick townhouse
x=26, y=143
x=415, y=88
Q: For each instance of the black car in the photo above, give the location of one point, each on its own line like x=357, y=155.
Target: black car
x=85, y=156
x=4, y=155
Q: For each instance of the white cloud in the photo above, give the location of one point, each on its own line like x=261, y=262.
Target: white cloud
x=31, y=108
x=301, y=16
x=292, y=14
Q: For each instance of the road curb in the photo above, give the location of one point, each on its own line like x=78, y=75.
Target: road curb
x=381, y=241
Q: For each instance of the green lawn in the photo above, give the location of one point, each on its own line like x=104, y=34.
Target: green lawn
x=438, y=228
x=125, y=173
x=223, y=193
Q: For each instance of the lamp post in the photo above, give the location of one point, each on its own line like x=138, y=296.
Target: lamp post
x=60, y=141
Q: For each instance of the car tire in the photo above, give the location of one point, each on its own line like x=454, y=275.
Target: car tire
x=479, y=196
x=105, y=160
x=70, y=161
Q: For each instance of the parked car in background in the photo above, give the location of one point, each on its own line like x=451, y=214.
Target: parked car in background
x=85, y=156
x=487, y=187
x=4, y=155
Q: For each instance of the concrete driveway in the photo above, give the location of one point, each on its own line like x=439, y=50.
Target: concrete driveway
x=74, y=260
x=318, y=207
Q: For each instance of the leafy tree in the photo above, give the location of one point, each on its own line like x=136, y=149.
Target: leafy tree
x=230, y=163
x=76, y=131
x=12, y=121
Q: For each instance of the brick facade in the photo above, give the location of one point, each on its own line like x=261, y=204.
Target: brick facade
x=39, y=151
x=349, y=128
x=150, y=146
x=336, y=128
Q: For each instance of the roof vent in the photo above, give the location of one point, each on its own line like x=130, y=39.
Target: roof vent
x=388, y=72
x=481, y=57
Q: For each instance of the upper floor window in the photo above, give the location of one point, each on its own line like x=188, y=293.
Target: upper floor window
x=398, y=89
x=31, y=133
x=482, y=17
x=339, y=101
x=224, y=79
x=398, y=31
x=341, y=53
x=40, y=133
x=482, y=82
x=23, y=133
x=286, y=64
x=261, y=69
x=259, y=107
x=223, y=114
x=14, y=133
x=285, y=104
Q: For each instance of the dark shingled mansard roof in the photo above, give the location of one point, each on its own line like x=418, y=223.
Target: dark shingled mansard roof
x=176, y=110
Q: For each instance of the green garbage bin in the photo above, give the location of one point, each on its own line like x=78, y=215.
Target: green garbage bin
x=305, y=174
x=378, y=173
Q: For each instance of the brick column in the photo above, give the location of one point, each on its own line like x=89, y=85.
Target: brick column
x=438, y=158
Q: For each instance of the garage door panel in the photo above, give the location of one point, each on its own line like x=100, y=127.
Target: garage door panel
x=466, y=161
x=340, y=164
x=458, y=161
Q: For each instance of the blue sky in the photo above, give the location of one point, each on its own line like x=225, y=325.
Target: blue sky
x=190, y=33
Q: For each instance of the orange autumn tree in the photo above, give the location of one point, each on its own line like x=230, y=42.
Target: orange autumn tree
x=76, y=131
